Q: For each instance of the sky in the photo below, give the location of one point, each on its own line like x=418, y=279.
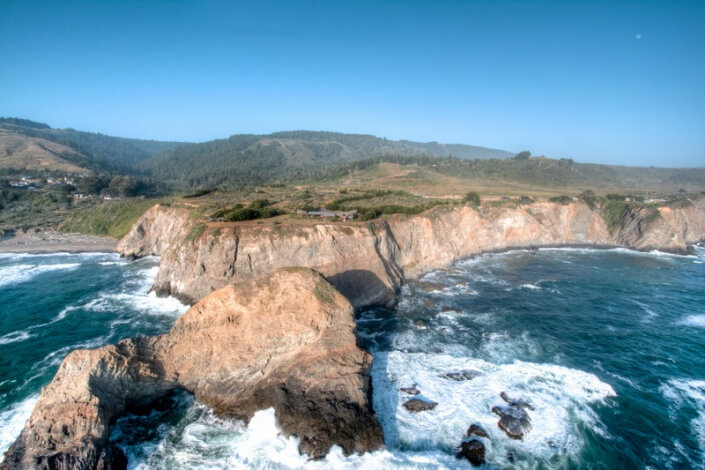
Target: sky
x=617, y=82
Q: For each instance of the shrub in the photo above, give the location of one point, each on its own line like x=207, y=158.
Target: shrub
x=561, y=199
x=260, y=203
x=199, y=192
x=472, y=198
x=589, y=197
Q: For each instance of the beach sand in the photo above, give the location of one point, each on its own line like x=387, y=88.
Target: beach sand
x=50, y=242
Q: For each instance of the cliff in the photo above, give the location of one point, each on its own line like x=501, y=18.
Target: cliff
x=369, y=262
x=284, y=340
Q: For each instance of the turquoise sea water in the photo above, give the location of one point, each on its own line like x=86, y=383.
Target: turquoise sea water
x=608, y=346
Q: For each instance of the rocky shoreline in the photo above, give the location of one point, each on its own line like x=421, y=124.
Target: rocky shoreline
x=261, y=333
x=368, y=263
x=284, y=341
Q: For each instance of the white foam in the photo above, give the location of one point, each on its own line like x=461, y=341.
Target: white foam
x=14, y=337
x=209, y=442
x=149, y=304
x=697, y=321
x=560, y=396
x=530, y=287
x=24, y=272
x=692, y=392
x=12, y=421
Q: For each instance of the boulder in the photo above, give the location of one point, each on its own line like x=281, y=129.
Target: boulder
x=514, y=421
x=410, y=390
x=518, y=402
x=284, y=341
x=417, y=404
x=476, y=430
x=466, y=374
x=473, y=451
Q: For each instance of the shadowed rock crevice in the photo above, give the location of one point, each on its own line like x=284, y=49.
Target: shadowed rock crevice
x=285, y=340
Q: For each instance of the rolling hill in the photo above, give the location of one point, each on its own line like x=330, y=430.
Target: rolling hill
x=87, y=150
x=254, y=159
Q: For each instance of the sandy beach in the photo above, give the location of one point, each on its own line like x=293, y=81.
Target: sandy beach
x=50, y=242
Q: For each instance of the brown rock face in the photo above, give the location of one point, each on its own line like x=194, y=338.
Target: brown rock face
x=368, y=264
x=285, y=341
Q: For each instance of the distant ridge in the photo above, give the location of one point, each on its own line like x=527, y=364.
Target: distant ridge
x=253, y=159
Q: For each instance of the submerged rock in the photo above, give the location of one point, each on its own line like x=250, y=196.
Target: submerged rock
x=429, y=303
x=514, y=421
x=421, y=324
x=417, y=404
x=518, y=402
x=476, y=430
x=429, y=286
x=466, y=374
x=284, y=341
x=473, y=451
x=450, y=310
x=410, y=390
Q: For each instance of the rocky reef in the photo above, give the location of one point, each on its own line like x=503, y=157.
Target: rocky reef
x=369, y=262
x=284, y=340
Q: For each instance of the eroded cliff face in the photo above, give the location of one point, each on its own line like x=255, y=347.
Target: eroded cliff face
x=284, y=340
x=369, y=262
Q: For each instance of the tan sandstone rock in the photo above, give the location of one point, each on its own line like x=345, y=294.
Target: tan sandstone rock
x=285, y=340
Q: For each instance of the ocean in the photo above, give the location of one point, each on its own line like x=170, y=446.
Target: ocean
x=608, y=346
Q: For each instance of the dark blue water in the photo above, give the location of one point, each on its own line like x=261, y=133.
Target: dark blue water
x=609, y=346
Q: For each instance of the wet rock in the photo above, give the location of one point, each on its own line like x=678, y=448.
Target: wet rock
x=410, y=390
x=466, y=374
x=429, y=303
x=514, y=421
x=473, y=451
x=450, y=310
x=430, y=286
x=476, y=430
x=417, y=404
x=421, y=324
x=518, y=402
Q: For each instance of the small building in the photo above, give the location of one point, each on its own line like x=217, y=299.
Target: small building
x=326, y=214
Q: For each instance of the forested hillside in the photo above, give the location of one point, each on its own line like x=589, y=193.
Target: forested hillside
x=97, y=152
x=254, y=159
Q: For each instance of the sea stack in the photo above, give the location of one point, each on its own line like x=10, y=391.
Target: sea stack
x=285, y=340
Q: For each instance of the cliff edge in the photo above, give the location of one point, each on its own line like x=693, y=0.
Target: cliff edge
x=369, y=262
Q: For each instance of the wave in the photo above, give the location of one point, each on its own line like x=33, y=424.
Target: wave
x=149, y=304
x=697, y=321
x=562, y=399
x=12, y=421
x=18, y=273
x=203, y=440
x=14, y=337
x=680, y=392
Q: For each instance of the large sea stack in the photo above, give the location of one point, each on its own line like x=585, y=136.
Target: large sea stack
x=285, y=340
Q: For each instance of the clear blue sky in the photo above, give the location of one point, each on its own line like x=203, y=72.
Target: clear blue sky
x=614, y=82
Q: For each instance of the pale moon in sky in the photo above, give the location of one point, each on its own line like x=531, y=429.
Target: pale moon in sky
x=638, y=36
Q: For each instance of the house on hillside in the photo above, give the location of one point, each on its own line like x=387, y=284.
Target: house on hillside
x=326, y=214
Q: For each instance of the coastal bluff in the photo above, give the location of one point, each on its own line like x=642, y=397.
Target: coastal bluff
x=368, y=262
x=285, y=340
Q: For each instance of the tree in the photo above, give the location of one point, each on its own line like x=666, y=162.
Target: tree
x=473, y=198
x=524, y=155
